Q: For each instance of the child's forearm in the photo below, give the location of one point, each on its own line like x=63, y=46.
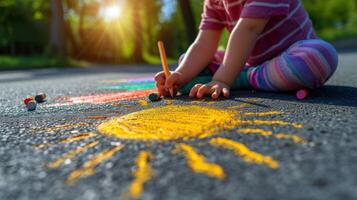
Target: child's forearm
x=199, y=54
x=240, y=45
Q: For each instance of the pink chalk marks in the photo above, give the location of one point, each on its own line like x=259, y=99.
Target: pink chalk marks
x=103, y=98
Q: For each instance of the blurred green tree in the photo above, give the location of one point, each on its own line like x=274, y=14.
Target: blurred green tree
x=80, y=28
x=333, y=18
x=57, y=41
x=189, y=19
x=23, y=26
x=136, y=6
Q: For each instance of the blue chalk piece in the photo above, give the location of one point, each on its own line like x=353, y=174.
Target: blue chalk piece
x=31, y=106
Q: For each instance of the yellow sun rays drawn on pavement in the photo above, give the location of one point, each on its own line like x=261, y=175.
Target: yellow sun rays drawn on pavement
x=180, y=123
x=171, y=122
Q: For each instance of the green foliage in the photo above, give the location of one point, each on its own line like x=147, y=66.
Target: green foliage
x=25, y=24
x=333, y=19
x=173, y=35
x=23, y=62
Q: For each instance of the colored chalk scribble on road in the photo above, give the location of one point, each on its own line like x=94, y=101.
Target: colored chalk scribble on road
x=182, y=123
x=120, y=90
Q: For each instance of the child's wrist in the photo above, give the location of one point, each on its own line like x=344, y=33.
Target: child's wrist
x=217, y=78
x=221, y=82
x=178, y=72
x=182, y=78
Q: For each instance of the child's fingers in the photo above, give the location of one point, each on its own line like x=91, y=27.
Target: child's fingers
x=217, y=92
x=171, y=81
x=160, y=84
x=226, y=92
x=161, y=92
x=160, y=88
x=194, y=90
x=164, y=93
x=160, y=78
x=202, y=91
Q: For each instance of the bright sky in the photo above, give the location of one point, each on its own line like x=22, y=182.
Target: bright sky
x=168, y=8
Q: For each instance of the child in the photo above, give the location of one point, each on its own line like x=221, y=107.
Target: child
x=272, y=47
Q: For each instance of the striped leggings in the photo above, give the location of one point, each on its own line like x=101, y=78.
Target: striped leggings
x=307, y=64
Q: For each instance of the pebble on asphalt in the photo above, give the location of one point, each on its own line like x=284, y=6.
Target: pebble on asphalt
x=31, y=106
x=28, y=99
x=40, y=97
x=154, y=97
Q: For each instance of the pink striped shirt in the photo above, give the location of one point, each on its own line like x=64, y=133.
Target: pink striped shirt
x=288, y=23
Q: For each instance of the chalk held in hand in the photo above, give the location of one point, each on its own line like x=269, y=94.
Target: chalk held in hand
x=154, y=97
x=40, y=97
x=165, y=65
x=31, y=106
x=28, y=99
x=302, y=94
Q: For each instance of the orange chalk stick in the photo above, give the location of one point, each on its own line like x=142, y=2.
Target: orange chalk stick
x=165, y=65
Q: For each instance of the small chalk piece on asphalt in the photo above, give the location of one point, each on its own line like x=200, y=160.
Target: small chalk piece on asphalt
x=31, y=106
x=302, y=94
x=154, y=97
x=28, y=99
x=40, y=97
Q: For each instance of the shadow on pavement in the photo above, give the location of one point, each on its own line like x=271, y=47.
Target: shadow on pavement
x=327, y=95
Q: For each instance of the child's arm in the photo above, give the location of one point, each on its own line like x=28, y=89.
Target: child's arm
x=196, y=59
x=241, y=43
x=199, y=54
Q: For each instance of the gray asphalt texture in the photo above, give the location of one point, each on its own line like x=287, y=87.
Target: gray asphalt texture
x=324, y=168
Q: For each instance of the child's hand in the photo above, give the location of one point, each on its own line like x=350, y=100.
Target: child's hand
x=163, y=85
x=213, y=88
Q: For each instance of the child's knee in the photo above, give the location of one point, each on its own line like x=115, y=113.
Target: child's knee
x=331, y=57
x=328, y=57
x=316, y=61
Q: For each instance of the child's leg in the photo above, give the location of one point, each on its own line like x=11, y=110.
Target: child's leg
x=306, y=64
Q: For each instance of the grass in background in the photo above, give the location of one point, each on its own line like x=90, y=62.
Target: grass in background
x=155, y=60
x=31, y=62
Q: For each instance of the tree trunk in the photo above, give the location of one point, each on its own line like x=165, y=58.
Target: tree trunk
x=138, y=31
x=189, y=19
x=71, y=4
x=57, y=41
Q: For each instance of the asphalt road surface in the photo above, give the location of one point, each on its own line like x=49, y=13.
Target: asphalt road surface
x=92, y=139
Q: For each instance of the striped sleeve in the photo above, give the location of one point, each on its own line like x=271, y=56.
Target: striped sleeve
x=265, y=8
x=211, y=17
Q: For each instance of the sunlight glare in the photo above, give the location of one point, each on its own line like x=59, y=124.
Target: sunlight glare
x=110, y=13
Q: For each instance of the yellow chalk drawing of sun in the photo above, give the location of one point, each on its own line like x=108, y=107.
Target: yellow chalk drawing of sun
x=170, y=123
x=178, y=123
